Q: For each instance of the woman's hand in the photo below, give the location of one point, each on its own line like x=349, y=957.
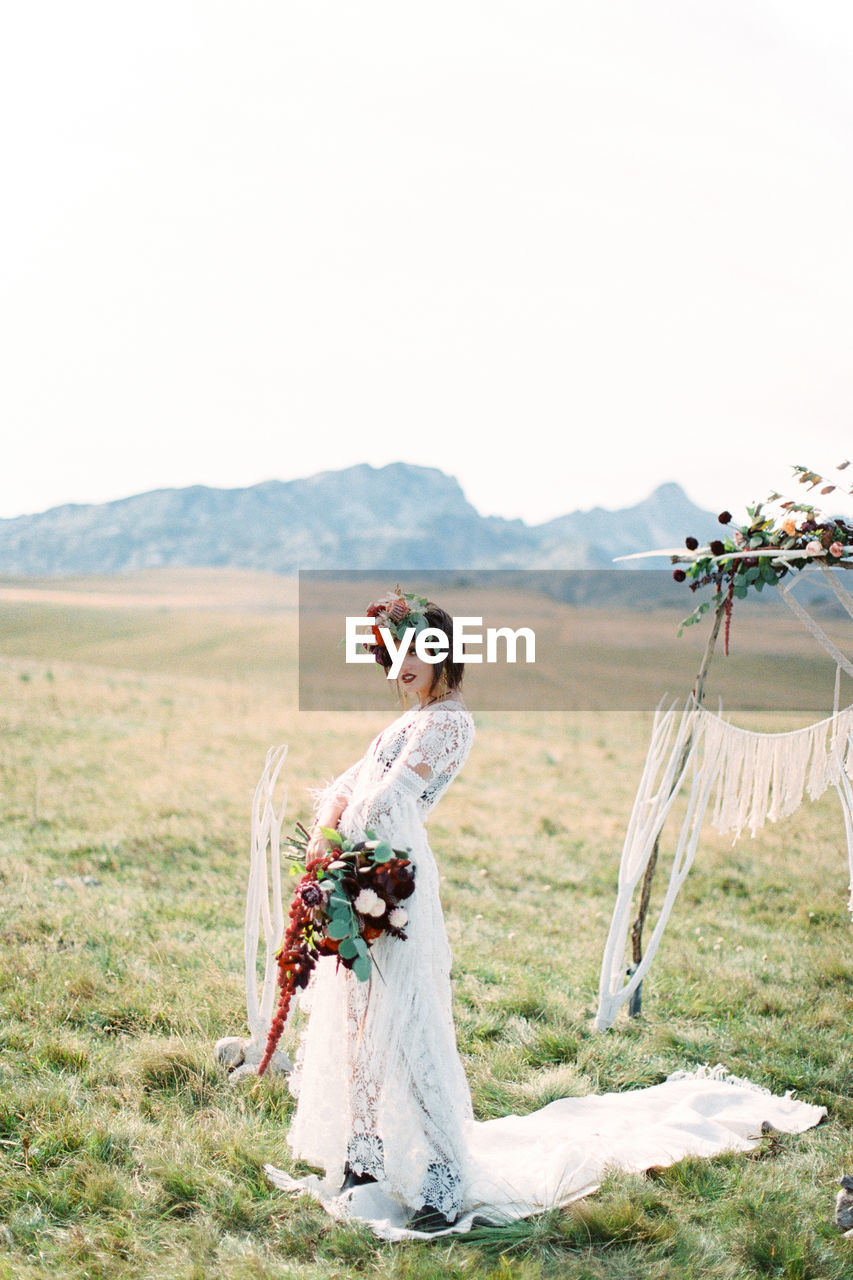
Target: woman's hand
x=318, y=846
x=328, y=816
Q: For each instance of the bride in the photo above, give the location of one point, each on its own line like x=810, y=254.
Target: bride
x=383, y=1105
x=382, y=1096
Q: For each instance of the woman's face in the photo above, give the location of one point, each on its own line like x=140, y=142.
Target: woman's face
x=416, y=676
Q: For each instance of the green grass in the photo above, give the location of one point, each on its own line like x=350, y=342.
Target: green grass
x=130, y=743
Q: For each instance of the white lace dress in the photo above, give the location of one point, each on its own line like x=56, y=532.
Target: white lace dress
x=378, y=1078
x=379, y=1081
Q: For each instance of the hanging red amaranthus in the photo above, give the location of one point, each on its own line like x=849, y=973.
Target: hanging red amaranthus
x=296, y=958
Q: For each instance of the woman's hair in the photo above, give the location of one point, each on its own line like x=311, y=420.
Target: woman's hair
x=453, y=672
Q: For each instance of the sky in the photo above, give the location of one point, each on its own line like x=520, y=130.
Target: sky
x=562, y=251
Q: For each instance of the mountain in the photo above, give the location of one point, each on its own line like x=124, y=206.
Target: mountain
x=398, y=516
x=664, y=519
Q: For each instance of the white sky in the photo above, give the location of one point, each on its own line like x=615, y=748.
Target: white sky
x=564, y=251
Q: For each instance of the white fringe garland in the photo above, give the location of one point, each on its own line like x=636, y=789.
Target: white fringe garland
x=755, y=777
x=263, y=900
x=763, y=776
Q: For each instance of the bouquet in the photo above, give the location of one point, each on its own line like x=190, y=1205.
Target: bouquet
x=343, y=902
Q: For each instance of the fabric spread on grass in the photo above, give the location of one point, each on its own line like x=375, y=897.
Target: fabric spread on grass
x=518, y=1166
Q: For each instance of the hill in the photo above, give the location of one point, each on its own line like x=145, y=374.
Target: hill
x=398, y=516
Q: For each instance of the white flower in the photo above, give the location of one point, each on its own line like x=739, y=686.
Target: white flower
x=369, y=903
x=814, y=547
x=397, y=918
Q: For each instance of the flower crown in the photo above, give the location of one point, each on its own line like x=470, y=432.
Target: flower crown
x=397, y=610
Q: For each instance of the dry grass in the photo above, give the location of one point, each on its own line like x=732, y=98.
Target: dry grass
x=132, y=737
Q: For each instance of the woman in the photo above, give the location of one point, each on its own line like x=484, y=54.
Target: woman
x=382, y=1096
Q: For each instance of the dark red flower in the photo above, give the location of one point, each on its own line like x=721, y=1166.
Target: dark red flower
x=691, y=543
x=395, y=880
x=717, y=547
x=679, y=575
x=725, y=517
x=311, y=894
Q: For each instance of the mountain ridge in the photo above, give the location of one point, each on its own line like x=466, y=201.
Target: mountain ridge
x=361, y=517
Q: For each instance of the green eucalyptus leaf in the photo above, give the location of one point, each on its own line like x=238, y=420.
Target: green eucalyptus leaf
x=348, y=950
x=383, y=852
x=338, y=929
x=361, y=968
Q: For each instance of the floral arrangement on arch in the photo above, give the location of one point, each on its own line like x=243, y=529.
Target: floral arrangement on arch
x=343, y=902
x=763, y=551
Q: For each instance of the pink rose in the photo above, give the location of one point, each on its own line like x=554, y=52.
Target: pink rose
x=836, y=549
x=814, y=547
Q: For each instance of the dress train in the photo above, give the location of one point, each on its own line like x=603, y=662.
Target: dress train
x=521, y=1165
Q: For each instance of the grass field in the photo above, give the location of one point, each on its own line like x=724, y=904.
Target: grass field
x=134, y=726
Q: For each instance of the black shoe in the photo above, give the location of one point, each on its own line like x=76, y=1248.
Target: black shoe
x=429, y=1219
x=353, y=1179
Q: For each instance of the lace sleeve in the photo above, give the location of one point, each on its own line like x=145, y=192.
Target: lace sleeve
x=436, y=747
x=341, y=786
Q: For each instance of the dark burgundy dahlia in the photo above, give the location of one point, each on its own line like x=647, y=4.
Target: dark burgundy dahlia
x=311, y=894
x=394, y=880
